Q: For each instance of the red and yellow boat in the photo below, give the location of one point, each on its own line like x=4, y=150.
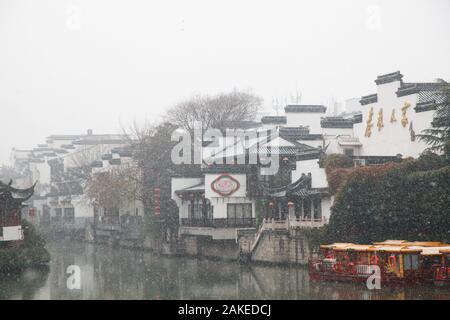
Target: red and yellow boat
x=399, y=261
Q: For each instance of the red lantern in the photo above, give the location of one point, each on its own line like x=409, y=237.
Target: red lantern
x=271, y=204
x=157, y=201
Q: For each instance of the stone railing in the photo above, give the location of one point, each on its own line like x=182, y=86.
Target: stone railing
x=286, y=224
x=306, y=223
x=219, y=223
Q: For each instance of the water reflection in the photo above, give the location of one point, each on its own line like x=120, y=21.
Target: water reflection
x=108, y=273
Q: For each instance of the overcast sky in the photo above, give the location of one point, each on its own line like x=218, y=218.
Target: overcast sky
x=66, y=66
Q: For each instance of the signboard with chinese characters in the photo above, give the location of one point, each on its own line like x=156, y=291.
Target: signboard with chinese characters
x=225, y=185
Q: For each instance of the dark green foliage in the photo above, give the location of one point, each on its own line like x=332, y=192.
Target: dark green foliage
x=30, y=252
x=438, y=137
x=334, y=161
x=152, y=151
x=410, y=201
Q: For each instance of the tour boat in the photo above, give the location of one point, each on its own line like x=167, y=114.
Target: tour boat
x=399, y=262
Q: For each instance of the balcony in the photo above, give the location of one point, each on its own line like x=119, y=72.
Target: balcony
x=219, y=223
x=217, y=229
x=307, y=222
x=286, y=224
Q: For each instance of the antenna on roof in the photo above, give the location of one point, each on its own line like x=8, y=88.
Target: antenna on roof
x=298, y=97
x=275, y=105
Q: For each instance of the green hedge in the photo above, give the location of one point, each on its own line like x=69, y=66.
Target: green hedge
x=410, y=201
x=30, y=252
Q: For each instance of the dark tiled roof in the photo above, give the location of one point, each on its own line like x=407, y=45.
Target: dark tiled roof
x=99, y=141
x=312, y=108
x=115, y=161
x=308, y=155
x=273, y=119
x=300, y=188
x=107, y=156
x=293, y=132
x=336, y=122
x=357, y=118
x=371, y=98
x=425, y=106
x=242, y=124
x=390, y=77
x=429, y=94
x=123, y=152
x=226, y=168
x=49, y=154
x=37, y=160
x=97, y=164
x=429, y=99
x=284, y=150
x=199, y=188
x=43, y=149
x=417, y=87
x=309, y=137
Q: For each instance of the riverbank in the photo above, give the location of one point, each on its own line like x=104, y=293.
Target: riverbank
x=19, y=255
x=119, y=273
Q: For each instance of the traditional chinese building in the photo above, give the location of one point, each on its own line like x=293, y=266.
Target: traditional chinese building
x=223, y=201
x=393, y=116
x=11, y=204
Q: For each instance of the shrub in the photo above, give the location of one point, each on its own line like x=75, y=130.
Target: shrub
x=409, y=200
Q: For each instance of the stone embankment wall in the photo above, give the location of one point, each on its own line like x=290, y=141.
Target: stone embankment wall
x=206, y=247
x=275, y=246
x=281, y=247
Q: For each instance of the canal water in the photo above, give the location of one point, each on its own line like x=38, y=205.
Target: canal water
x=117, y=273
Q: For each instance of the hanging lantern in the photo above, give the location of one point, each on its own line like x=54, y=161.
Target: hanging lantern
x=271, y=204
x=290, y=204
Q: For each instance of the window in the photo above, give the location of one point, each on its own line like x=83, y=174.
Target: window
x=349, y=152
x=200, y=209
x=69, y=215
x=317, y=208
x=307, y=208
x=410, y=262
x=58, y=212
x=298, y=208
x=239, y=211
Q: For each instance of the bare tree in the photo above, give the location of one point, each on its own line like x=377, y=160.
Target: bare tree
x=219, y=111
x=113, y=188
x=81, y=161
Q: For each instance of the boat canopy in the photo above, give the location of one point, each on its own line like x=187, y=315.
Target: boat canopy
x=424, y=244
x=335, y=245
x=391, y=242
x=354, y=247
x=433, y=251
x=425, y=248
